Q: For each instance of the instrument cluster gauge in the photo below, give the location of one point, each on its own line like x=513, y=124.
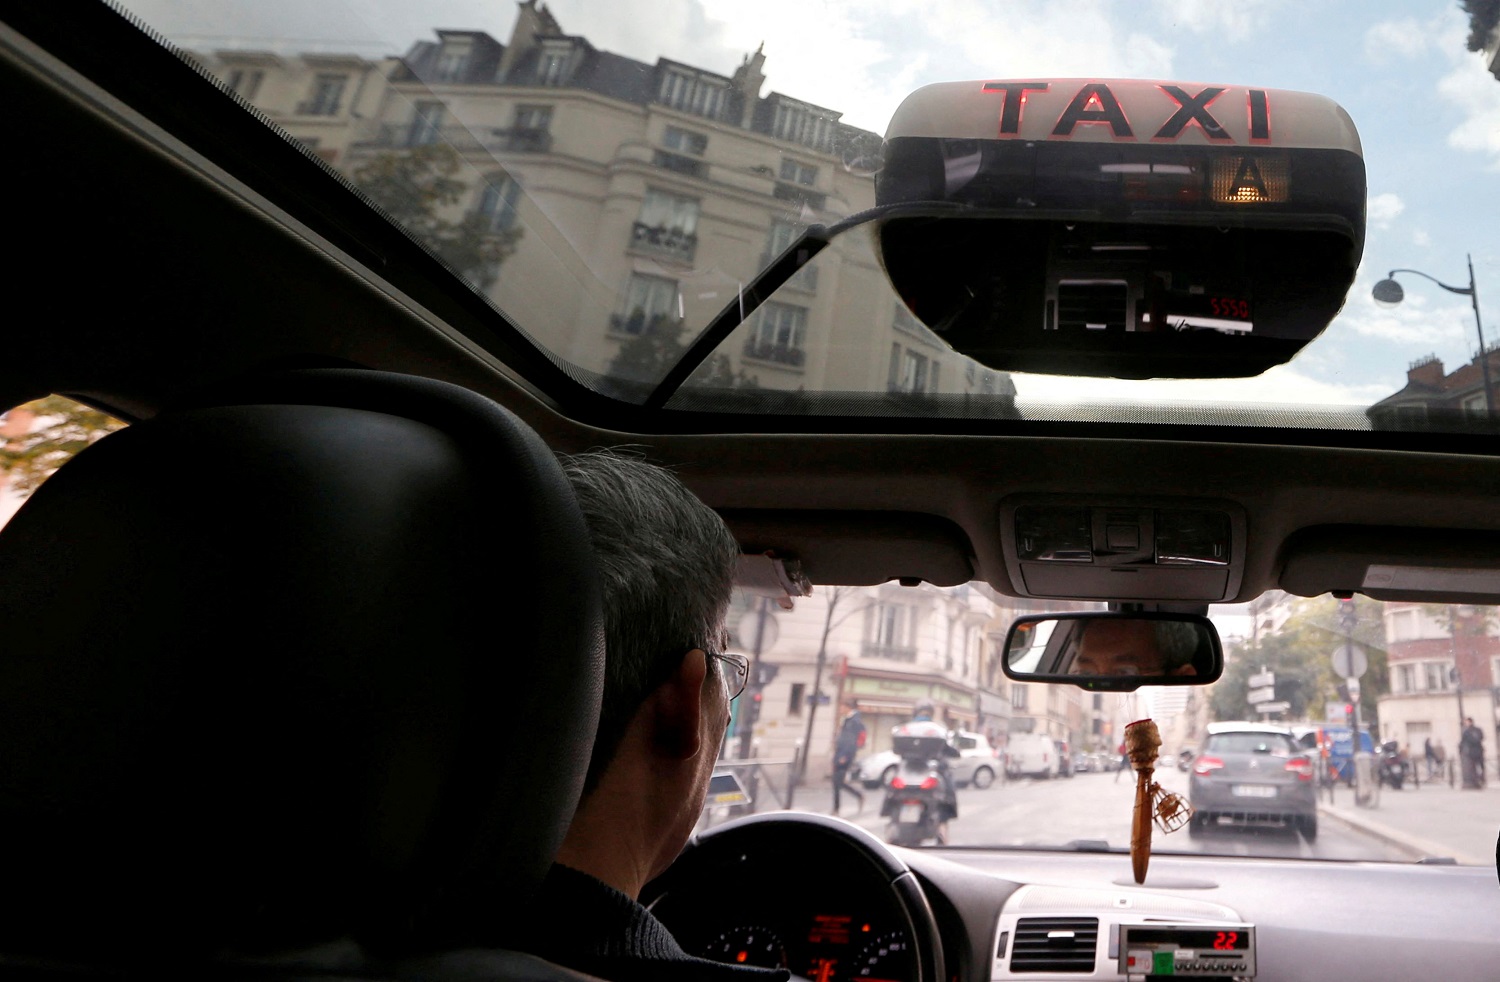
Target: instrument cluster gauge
x=747, y=945
x=887, y=958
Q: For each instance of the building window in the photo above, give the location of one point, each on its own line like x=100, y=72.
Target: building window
x=911, y=371
x=684, y=141
x=807, y=125
x=1404, y=679
x=327, y=92
x=779, y=334
x=532, y=131
x=692, y=93
x=1018, y=696
x=1413, y=624
x=1435, y=675
x=798, y=173
x=497, y=202
x=648, y=300
x=783, y=233
x=1495, y=670
x=426, y=124
x=552, y=66
x=453, y=60
x=794, y=708
x=890, y=632
x=245, y=82
x=668, y=225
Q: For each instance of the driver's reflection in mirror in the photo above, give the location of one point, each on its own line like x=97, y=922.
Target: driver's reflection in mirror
x=1136, y=647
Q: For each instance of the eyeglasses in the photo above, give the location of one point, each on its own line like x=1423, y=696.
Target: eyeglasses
x=737, y=673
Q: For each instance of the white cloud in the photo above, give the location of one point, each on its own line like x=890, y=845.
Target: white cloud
x=1393, y=39
x=1421, y=238
x=1417, y=320
x=1232, y=20
x=1383, y=209
x=1473, y=90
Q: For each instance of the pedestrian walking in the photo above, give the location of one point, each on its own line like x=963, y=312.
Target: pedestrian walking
x=1430, y=756
x=852, y=736
x=1124, y=763
x=1471, y=754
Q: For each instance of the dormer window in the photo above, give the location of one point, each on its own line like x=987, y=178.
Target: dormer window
x=554, y=63
x=453, y=60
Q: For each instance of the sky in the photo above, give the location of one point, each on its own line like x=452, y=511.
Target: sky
x=1427, y=110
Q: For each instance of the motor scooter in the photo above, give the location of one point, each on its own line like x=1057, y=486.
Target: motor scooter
x=920, y=799
x=1391, y=768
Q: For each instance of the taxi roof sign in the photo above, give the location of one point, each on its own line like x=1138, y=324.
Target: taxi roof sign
x=1122, y=227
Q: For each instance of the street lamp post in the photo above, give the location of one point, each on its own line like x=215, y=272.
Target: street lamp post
x=1388, y=293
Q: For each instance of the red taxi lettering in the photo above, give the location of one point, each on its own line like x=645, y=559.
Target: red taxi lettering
x=1012, y=100
x=1260, y=115
x=1094, y=103
x=1191, y=109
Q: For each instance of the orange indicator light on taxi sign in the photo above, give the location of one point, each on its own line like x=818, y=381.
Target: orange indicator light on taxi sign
x=742, y=956
x=1249, y=178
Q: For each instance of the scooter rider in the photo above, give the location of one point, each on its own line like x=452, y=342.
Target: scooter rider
x=923, y=712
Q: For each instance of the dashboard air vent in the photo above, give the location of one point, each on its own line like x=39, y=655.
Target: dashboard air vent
x=1055, y=944
x=1091, y=306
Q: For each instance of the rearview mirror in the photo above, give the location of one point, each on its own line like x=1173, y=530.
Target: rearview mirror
x=1107, y=652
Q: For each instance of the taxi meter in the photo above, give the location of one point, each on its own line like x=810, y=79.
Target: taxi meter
x=1190, y=951
x=1122, y=228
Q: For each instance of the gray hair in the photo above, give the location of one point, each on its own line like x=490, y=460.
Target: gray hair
x=1178, y=643
x=666, y=568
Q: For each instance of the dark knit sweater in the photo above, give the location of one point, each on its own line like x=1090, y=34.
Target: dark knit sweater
x=589, y=926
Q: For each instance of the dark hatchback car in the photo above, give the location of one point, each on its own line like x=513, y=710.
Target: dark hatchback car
x=1253, y=774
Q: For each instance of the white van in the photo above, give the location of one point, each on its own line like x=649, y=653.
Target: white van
x=1030, y=755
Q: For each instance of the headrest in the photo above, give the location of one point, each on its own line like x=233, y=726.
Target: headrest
x=317, y=658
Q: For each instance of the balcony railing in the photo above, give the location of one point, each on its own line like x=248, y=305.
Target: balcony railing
x=779, y=354
x=673, y=243
x=800, y=194
x=890, y=652
x=463, y=139
x=318, y=107
x=678, y=163
x=638, y=322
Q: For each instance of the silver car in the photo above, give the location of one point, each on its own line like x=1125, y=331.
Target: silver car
x=977, y=763
x=1253, y=774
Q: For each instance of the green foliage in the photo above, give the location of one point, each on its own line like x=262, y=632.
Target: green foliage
x=64, y=428
x=658, y=345
x=417, y=188
x=1300, y=654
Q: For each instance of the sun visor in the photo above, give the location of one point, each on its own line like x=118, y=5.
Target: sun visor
x=1409, y=564
x=1122, y=228
x=840, y=549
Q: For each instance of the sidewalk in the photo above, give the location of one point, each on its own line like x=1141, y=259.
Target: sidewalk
x=1431, y=821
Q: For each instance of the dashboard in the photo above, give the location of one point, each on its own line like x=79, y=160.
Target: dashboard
x=830, y=902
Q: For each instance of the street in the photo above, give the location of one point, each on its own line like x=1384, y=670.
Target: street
x=1096, y=807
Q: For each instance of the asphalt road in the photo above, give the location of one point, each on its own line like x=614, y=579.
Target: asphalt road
x=1097, y=807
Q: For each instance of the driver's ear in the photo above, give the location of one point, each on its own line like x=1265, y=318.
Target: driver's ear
x=677, y=708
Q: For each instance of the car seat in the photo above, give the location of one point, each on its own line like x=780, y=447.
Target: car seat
x=302, y=677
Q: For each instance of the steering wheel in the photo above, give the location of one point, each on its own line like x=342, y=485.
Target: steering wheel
x=750, y=868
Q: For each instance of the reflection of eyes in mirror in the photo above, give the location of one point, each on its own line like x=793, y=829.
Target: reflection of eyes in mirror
x=1134, y=647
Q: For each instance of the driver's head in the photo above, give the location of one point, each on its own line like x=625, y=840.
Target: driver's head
x=666, y=563
x=1136, y=647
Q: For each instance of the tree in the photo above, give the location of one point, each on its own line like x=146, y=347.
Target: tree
x=658, y=343
x=416, y=187
x=1484, y=19
x=1300, y=655
x=65, y=427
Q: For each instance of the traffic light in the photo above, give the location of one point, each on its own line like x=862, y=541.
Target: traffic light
x=756, y=698
x=1349, y=712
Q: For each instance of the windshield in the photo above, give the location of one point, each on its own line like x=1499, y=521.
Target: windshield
x=1260, y=753
x=613, y=180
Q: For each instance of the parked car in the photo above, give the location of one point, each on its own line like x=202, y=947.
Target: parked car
x=977, y=764
x=1253, y=774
